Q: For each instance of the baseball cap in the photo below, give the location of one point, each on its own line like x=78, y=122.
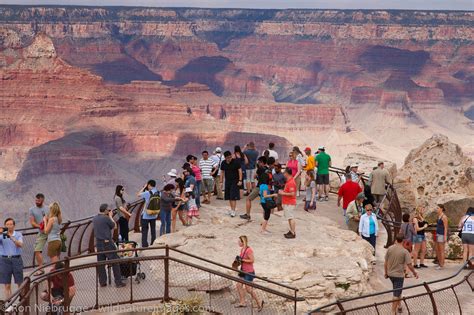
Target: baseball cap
x=361, y=196
x=321, y=147
x=307, y=149
x=173, y=173
x=218, y=150
x=354, y=165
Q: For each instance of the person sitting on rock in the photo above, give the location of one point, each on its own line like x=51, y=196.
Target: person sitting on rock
x=355, y=209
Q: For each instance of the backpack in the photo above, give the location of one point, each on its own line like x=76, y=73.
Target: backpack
x=153, y=207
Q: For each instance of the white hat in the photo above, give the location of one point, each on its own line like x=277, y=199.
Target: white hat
x=173, y=173
x=321, y=147
x=218, y=150
x=354, y=165
x=189, y=189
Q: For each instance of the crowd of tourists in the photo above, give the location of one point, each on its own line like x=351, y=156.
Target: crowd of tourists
x=244, y=173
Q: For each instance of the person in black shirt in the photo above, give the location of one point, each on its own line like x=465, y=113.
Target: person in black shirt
x=232, y=172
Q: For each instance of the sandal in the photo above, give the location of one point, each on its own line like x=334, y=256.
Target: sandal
x=39, y=273
x=260, y=308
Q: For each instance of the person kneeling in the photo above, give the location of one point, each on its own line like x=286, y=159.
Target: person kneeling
x=58, y=281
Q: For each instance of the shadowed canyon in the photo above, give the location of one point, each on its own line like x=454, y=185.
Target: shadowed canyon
x=91, y=97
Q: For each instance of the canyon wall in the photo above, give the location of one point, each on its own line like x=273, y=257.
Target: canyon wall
x=122, y=94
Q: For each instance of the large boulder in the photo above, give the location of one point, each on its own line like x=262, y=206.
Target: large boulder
x=437, y=172
x=324, y=262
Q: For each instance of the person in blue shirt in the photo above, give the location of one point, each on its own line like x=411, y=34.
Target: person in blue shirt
x=148, y=221
x=368, y=226
x=266, y=201
x=11, y=263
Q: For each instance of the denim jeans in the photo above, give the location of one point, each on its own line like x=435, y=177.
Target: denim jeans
x=103, y=246
x=198, y=193
x=145, y=223
x=165, y=217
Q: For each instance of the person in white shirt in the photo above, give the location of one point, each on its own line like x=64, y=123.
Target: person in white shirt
x=218, y=159
x=207, y=166
x=368, y=226
x=271, y=151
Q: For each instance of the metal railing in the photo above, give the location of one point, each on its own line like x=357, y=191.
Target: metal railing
x=423, y=298
x=171, y=275
x=79, y=233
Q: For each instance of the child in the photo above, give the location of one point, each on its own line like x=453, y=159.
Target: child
x=266, y=200
x=193, y=210
x=310, y=203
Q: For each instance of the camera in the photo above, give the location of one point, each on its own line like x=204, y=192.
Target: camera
x=238, y=259
x=5, y=233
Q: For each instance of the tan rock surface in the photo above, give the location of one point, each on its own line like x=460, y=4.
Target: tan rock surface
x=320, y=262
x=436, y=172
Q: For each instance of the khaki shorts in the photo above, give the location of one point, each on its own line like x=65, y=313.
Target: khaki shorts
x=40, y=241
x=208, y=184
x=254, y=194
x=54, y=248
x=289, y=211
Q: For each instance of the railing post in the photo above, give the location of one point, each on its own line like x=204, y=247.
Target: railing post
x=433, y=302
x=25, y=296
x=137, y=217
x=65, y=274
x=166, y=297
x=296, y=298
x=341, y=308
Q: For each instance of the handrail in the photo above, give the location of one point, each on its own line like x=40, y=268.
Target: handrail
x=31, y=285
x=339, y=302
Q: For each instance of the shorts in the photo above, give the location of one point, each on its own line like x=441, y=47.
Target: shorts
x=353, y=225
x=418, y=239
x=289, y=211
x=397, y=285
x=440, y=239
x=231, y=191
x=266, y=211
x=248, y=277
x=40, y=241
x=322, y=179
x=54, y=248
x=254, y=194
x=208, y=185
x=11, y=267
x=468, y=238
x=307, y=205
x=250, y=176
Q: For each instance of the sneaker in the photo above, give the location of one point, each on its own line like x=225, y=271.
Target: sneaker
x=232, y=213
x=321, y=199
x=245, y=216
x=326, y=198
x=423, y=266
x=439, y=268
x=417, y=267
x=266, y=232
x=290, y=235
x=120, y=285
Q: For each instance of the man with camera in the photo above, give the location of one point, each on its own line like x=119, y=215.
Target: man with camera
x=103, y=226
x=37, y=214
x=11, y=263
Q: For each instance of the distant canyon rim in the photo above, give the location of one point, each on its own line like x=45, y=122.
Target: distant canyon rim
x=95, y=96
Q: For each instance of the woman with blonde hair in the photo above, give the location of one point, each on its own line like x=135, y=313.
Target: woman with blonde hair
x=246, y=260
x=419, y=239
x=52, y=227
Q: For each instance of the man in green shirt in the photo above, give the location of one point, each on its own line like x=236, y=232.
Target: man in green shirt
x=323, y=162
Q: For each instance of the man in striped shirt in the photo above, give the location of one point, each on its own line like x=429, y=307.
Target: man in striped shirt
x=207, y=166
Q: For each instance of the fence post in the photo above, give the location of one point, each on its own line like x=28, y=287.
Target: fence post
x=138, y=215
x=435, y=309
x=25, y=296
x=66, y=284
x=167, y=271
x=341, y=308
x=296, y=298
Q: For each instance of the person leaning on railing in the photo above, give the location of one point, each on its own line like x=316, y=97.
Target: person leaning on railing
x=11, y=263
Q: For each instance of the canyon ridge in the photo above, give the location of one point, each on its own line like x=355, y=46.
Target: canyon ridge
x=91, y=97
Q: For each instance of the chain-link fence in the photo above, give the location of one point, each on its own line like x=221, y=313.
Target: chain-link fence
x=162, y=279
x=427, y=298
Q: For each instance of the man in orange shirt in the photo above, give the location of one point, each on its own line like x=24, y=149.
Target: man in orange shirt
x=288, y=202
x=310, y=163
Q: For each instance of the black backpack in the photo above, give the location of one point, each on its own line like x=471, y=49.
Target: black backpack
x=154, y=204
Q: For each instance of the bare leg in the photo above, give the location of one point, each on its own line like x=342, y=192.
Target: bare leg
x=264, y=225
x=39, y=258
x=252, y=293
x=396, y=302
x=442, y=254
x=248, y=206
x=174, y=211
x=326, y=190
x=8, y=291
x=423, y=252
x=241, y=291
x=182, y=217
x=292, y=226
x=416, y=249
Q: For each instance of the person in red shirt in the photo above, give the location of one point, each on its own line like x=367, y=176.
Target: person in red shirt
x=57, y=286
x=347, y=192
x=288, y=202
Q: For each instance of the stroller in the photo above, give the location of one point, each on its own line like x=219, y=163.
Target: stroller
x=129, y=269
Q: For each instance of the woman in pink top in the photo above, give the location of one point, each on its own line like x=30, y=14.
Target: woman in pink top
x=246, y=259
x=295, y=169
